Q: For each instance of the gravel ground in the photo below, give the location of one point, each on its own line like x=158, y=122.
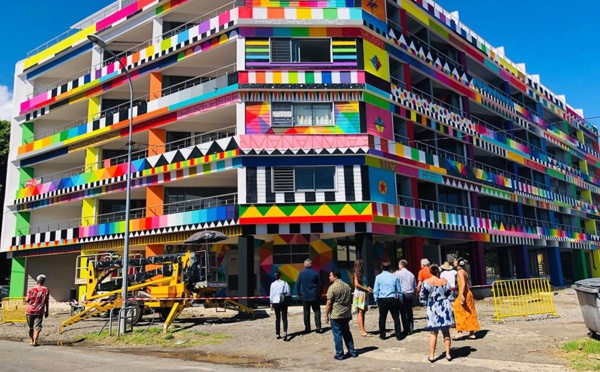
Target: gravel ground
x=518, y=344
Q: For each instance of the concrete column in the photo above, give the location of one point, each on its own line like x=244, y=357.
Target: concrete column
x=556, y=273
x=246, y=268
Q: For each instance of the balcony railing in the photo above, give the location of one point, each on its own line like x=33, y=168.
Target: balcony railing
x=141, y=103
x=133, y=49
x=171, y=208
x=439, y=102
x=135, y=155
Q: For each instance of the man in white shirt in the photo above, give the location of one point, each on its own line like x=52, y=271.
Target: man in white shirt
x=449, y=273
x=408, y=283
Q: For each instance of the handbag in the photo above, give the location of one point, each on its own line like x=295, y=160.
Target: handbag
x=286, y=299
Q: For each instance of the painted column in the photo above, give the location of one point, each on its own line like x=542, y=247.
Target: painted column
x=23, y=219
x=364, y=244
x=413, y=248
x=522, y=262
x=17, y=277
x=155, y=85
x=89, y=210
x=580, y=270
x=478, y=276
x=556, y=273
x=155, y=195
x=246, y=275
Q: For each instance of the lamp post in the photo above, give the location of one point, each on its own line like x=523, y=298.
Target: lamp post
x=102, y=44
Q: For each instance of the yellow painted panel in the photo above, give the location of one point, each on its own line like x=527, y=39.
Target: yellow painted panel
x=88, y=212
x=59, y=47
x=416, y=12
x=376, y=61
x=93, y=108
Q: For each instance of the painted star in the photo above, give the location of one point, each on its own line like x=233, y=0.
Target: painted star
x=383, y=187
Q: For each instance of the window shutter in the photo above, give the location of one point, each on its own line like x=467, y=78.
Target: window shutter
x=281, y=50
x=281, y=114
x=283, y=179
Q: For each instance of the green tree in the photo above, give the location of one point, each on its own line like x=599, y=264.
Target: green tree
x=4, y=147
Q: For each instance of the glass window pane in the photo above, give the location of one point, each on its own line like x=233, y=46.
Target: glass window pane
x=313, y=50
x=303, y=114
x=322, y=114
x=304, y=178
x=325, y=178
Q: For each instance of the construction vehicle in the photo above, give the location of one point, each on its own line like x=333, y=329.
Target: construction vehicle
x=164, y=284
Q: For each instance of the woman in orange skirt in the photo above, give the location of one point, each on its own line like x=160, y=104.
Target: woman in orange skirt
x=464, y=305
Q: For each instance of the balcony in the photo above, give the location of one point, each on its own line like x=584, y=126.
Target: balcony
x=136, y=155
x=169, y=209
x=87, y=74
x=204, y=83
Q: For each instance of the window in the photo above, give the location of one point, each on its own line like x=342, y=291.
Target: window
x=287, y=114
x=290, y=254
x=288, y=179
x=314, y=178
x=300, y=50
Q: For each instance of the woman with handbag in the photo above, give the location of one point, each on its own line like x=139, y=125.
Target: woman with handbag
x=280, y=298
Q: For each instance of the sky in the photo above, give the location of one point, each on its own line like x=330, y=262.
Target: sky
x=554, y=38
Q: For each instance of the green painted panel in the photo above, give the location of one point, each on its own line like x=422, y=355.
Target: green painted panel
x=28, y=132
x=23, y=222
x=25, y=174
x=17, y=277
x=376, y=101
x=579, y=264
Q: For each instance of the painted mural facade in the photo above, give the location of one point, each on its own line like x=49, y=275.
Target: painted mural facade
x=348, y=131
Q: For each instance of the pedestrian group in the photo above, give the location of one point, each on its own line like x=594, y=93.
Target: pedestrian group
x=443, y=290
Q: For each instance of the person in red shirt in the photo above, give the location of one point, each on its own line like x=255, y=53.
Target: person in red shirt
x=424, y=274
x=37, y=308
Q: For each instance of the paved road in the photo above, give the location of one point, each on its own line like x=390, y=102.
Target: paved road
x=20, y=357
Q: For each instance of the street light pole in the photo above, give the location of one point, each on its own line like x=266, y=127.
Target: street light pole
x=125, y=270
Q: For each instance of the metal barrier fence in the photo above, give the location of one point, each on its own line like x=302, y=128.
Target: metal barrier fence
x=13, y=310
x=522, y=297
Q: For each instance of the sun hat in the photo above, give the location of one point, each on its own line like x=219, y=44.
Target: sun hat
x=446, y=266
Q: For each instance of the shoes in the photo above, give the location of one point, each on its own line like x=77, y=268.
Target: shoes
x=366, y=334
x=448, y=358
x=278, y=337
x=382, y=337
x=472, y=337
x=285, y=338
x=319, y=330
x=306, y=330
x=431, y=360
x=338, y=357
x=353, y=355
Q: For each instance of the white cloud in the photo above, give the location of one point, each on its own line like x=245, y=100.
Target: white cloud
x=5, y=103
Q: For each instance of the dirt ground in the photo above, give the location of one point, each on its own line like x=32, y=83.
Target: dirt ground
x=518, y=344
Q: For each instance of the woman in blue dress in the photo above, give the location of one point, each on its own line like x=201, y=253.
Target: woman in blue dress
x=437, y=295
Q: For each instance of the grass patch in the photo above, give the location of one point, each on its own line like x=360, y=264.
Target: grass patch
x=154, y=336
x=583, y=354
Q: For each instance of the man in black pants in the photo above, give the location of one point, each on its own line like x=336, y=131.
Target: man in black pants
x=388, y=296
x=310, y=289
x=408, y=284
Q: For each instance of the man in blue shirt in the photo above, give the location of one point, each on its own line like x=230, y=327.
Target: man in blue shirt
x=310, y=289
x=388, y=296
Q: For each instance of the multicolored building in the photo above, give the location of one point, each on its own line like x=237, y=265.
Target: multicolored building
x=330, y=129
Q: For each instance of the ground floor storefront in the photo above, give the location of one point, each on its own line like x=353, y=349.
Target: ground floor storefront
x=248, y=263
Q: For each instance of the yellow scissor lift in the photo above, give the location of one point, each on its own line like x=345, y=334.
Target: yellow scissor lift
x=167, y=289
